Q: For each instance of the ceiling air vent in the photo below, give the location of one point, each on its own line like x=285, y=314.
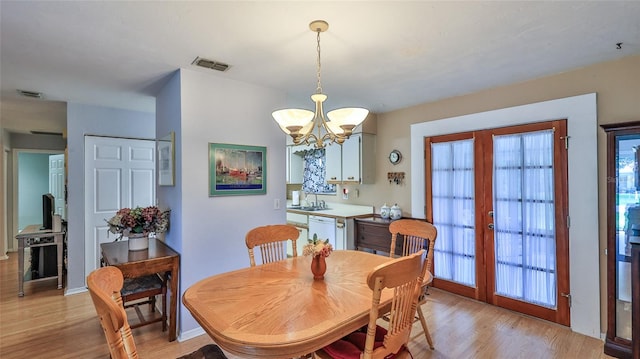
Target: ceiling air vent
x=210, y=64
x=31, y=94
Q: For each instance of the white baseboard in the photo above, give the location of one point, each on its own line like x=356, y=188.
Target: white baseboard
x=75, y=291
x=191, y=334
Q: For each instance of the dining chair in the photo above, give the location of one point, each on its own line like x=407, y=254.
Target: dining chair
x=271, y=239
x=145, y=287
x=404, y=277
x=418, y=235
x=148, y=287
x=104, y=285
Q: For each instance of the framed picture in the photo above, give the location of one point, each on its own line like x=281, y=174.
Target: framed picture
x=166, y=159
x=237, y=170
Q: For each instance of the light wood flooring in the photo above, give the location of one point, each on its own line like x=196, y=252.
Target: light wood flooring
x=47, y=324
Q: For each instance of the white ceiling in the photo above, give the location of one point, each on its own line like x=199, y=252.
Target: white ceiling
x=382, y=55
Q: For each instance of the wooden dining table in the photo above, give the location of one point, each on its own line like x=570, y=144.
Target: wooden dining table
x=277, y=310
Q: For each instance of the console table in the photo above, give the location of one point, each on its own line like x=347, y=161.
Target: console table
x=32, y=237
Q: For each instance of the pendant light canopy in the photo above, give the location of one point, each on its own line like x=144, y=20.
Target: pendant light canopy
x=336, y=126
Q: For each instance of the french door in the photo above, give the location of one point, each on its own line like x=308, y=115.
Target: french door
x=498, y=198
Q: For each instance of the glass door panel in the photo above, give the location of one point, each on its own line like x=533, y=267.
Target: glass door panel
x=627, y=222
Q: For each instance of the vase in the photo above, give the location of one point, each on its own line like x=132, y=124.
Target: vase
x=318, y=267
x=138, y=241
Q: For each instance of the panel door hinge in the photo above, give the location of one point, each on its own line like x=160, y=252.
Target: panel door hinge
x=568, y=296
x=568, y=221
x=566, y=142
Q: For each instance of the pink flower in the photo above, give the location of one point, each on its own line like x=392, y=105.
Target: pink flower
x=317, y=247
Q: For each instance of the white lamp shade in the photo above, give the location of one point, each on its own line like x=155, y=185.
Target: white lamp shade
x=294, y=117
x=345, y=116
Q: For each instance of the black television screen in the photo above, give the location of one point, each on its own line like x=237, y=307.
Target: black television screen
x=48, y=207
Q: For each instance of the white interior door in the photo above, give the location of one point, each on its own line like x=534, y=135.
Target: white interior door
x=56, y=183
x=119, y=173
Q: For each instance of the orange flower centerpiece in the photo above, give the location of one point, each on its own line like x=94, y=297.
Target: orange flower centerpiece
x=139, y=222
x=320, y=250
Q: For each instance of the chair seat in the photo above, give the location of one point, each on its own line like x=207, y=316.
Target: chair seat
x=352, y=346
x=147, y=287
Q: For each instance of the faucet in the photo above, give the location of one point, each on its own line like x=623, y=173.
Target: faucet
x=322, y=204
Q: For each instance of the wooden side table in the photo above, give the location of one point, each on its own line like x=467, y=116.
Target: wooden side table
x=158, y=258
x=33, y=237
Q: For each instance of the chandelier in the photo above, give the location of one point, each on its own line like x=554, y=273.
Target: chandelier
x=335, y=127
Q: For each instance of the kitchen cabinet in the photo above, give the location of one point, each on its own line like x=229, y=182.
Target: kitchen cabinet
x=623, y=227
x=295, y=164
x=356, y=162
x=333, y=158
x=300, y=221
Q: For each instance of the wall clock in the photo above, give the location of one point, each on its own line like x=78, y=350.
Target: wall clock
x=395, y=157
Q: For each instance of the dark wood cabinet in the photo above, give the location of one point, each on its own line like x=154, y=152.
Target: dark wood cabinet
x=623, y=228
x=372, y=233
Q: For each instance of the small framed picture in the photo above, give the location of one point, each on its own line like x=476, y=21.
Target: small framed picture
x=166, y=159
x=237, y=170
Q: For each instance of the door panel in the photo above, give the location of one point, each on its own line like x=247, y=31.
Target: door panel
x=57, y=182
x=119, y=173
x=519, y=226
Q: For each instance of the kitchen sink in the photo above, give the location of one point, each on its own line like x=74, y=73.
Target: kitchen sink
x=309, y=209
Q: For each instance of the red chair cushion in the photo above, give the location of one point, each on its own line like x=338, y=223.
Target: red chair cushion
x=351, y=346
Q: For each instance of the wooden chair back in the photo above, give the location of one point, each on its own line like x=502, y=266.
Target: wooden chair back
x=404, y=276
x=104, y=286
x=271, y=240
x=417, y=235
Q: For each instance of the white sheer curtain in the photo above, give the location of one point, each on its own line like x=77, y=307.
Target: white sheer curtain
x=524, y=209
x=452, y=173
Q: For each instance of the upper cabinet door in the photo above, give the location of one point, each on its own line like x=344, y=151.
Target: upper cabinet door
x=351, y=159
x=295, y=164
x=333, y=156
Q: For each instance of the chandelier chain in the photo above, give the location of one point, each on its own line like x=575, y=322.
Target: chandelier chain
x=319, y=87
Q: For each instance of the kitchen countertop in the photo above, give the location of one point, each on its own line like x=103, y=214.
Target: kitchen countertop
x=337, y=210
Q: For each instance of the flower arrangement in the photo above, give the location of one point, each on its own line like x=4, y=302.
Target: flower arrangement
x=139, y=220
x=317, y=247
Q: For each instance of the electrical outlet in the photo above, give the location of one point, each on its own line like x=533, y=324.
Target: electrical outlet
x=276, y=203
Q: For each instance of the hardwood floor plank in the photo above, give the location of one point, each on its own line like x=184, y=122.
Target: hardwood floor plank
x=46, y=324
